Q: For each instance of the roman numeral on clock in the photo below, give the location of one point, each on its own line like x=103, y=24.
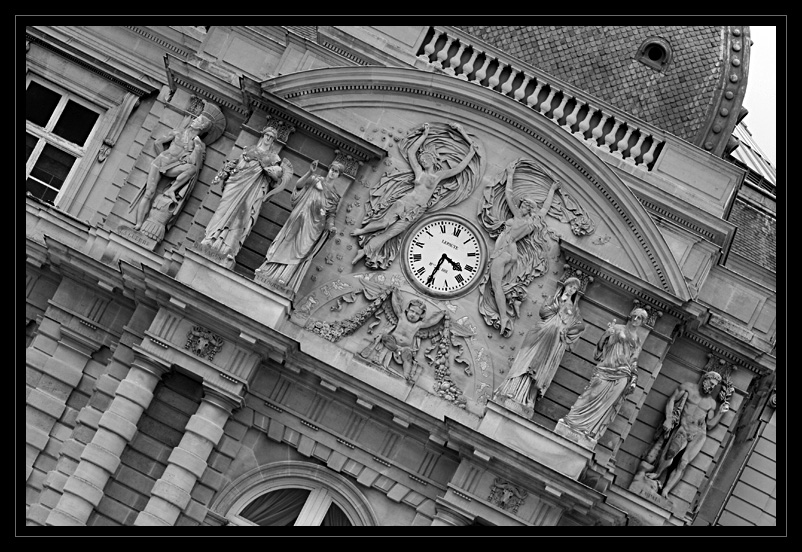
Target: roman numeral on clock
x=416, y=257
x=457, y=231
x=459, y=278
x=469, y=268
x=420, y=271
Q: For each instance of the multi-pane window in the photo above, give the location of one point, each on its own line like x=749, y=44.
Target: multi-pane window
x=293, y=506
x=59, y=126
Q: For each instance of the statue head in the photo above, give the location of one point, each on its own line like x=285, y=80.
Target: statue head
x=201, y=123
x=709, y=381
x=335, y=170
x=415, y=310
x=571, y=286
x=269, y=134
x=638, y=316
x=428, y=157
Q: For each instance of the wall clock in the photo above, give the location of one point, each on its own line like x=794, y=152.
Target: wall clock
x=445, y=255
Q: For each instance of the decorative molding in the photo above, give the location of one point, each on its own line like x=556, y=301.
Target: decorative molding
x=87, y=65
x=652, y=312
x=583, y=277
x=309, y=425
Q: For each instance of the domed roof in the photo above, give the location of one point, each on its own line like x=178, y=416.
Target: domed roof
x=694, y=91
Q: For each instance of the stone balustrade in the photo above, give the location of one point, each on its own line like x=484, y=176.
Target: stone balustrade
x=599, y=126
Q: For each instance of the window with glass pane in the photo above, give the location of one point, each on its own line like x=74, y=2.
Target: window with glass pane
x=58, y=130
x=286, y=507
x=49, y=173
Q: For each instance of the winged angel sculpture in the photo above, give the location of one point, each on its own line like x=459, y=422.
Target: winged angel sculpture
x=514, y=211
x=446, y=167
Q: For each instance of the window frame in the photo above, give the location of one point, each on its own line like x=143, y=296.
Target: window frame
x=326, y=488
x=44, y=135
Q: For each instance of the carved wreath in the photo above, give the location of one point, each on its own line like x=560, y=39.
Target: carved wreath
x=203, y=342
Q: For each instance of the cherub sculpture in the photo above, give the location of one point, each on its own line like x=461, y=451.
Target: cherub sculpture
x=445, y=167
x=514, y=212
x=402, y=341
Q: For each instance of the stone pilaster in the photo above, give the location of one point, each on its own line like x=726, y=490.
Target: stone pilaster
x=171, y=493
x=101, y=457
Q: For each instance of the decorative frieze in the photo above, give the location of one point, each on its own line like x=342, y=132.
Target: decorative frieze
x=507, y=496
x=203, y=342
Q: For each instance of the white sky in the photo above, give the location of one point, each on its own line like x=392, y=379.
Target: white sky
x=761, y=90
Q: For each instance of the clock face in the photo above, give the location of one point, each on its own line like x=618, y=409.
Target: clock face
x=444, y=256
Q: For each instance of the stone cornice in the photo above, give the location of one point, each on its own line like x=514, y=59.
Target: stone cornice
x=338, y=137
x=93, y=65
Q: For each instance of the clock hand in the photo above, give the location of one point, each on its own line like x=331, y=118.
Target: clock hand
x=430, y=279
x=454, y=264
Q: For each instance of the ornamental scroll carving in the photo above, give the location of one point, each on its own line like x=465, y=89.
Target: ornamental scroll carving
x=203, y=343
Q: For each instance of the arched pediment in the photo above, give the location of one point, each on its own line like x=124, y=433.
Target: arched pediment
x=381, y=104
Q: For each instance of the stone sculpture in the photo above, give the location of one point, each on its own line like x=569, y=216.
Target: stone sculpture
x=401, y=343
x=445, y=168
x=246, y=184
x=690, y=413
x=510, y=214
x=613, y=378
x=543, y=348
x=182, y=161
x=314, y=206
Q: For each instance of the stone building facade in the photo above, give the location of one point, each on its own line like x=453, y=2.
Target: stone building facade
x=171, y=379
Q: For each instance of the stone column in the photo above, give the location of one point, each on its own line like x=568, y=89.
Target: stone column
x=46, y=403
x=101, y=457
x=171, y=493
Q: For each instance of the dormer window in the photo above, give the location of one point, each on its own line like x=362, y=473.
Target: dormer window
x=655, y=52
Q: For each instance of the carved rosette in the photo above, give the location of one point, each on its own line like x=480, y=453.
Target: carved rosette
x=507, y=496
x=203, y=343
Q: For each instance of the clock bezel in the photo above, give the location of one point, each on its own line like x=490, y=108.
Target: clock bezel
x=434, y=218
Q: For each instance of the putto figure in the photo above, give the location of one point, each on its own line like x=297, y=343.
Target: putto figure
x=445, y=168
x=613, y=378
x=182, y=161
x=690, y=413
x=510, y=213
x=543, y=347
x=401, y=343
x=314, y=206
x=247, y=182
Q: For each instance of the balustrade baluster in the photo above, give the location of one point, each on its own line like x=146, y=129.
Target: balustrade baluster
x=443, y=54
x=482, y=73
x=623, y=143
x=519, y=93
x=558, y=113
x=532, y=99
x=585, y=124
x=506, y=88
x=571, y=119
x=455, y=60
x=429, y=49
x=546, y=105
x=648, y=157
x=635, y=151
x=468, y=69
x=494, y=80
x=610, y=138
x=597, y=132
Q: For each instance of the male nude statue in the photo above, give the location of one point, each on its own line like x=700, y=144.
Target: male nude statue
x=686, y=436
